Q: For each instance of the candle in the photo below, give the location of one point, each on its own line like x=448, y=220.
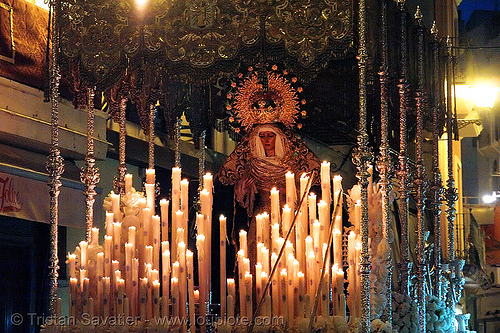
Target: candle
x=117, y=227
x=115, y=206
x=131, y=238
x=311, y=275
x=128, y=268
x=312, y=209
x=351, y=276
x=275, y=234
x=165, y=273
x=106, y=296
x=184, y=195
x=202, y=271
x=301, y=230
x=109, y=223
x=143, y=300
x=150, y=176
x=290, y=190
x=222, y=264
x=108, y=246
x=325, y=183
x=231, y=297
x=258, y=281
x=275, y=285
x=148, y=255
x=284, y=298
x=208, y=182
x=175, y=296
x=266, y=228
x=265, y=260
x=190, y=281
x=85, y=294
x=176, y=187
x=337, y=246
x=72, y=265
x=243, y=242
x=164, y=219
x=337, y=200
x=301, y=294
x=248, y=295
x=259, y=229
x=95, y=236
x=324, y=215
x=73, y=296
x=134, y=299
x=181, y=255
x=128, y=183
x=286, y=220
x=120, y=296
x=275, y=206
x=156, y=299
x=357, y=216
x=83, y=254
x=316, y=236
x=150, y=197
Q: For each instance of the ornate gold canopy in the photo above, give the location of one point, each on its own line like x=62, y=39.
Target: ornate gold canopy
x=104, y=39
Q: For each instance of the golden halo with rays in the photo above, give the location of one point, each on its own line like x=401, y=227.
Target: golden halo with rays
x=279, y=104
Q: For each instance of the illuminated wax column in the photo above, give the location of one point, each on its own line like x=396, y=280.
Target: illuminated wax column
x=83, y=254
x=312, y=209
x=190, y=281
x=222, y=264
x=181, y=255
x=115, y=206
x=351, y=273
x=324, y=221
x=291, y=192
x=231, y=297
x=275, y=206
x=164, y=205
x=128, y=183
x=176, y=201
x=202, y=271
x=337, y=246
x=150, y=197
x=338, y=200
x=325, y=183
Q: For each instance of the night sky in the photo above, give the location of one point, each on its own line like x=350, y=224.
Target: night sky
x=468, y=6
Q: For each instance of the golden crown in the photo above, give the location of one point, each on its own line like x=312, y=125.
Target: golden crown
x=252, y=104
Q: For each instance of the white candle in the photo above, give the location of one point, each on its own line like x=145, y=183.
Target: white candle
x=156, y=299
x=301, y=293
x=324, y=220
x=287, y=220
x=109, y=223
x=155, y=230
x=95, y=236
x=128, y=268
x=357, y=216
x=275, y=206
x=83, y=254
x=243, y=242
x=150, y=176
x=106, y=296
x=120, y=296
x=248, y=295
x=190, y=281
x=325, y=183
x=290, y=190
x=208, y=182
x=73, y=295
x=166, y=274
x=115, y=206
x=117, y=231
x=312, y=209
x=275, y=234
x=134, y=299
x=258, y=281
x=351, y=273
x=108, y=254
x=72, y=265
x=132, y=238
x=231, y=297
x=164, y=219
x=150, y=197
x=175, y=296
x=275, y=286
x=266, y=228
x=143, y=298
x=284, y=296
x=181, y=255
x=222, y=264
x=337, y=247
x=128, y=183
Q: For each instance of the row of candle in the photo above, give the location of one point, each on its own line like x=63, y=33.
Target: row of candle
x=123, y=275
x=296, y=277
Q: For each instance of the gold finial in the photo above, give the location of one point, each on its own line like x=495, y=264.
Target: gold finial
x=434, y=29
x=418, y=16
x=401, y=4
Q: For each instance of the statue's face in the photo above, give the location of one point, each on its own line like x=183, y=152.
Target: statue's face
x=268, y=140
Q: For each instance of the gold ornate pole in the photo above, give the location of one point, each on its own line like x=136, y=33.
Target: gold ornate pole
x=420, y=182
x=177, y=142
x=451, y=191
x=362, y=158
x=55, y=162
x=437, y=184
x=89, y=174
x=384, y=162
x=151, y=137
x=403, y=172
x=119, y=182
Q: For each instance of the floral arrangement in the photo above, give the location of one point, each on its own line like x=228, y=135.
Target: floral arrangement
x=439, y=317
x=404, y=313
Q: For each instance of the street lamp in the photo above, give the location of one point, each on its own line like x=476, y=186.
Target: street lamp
x=484, y=96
